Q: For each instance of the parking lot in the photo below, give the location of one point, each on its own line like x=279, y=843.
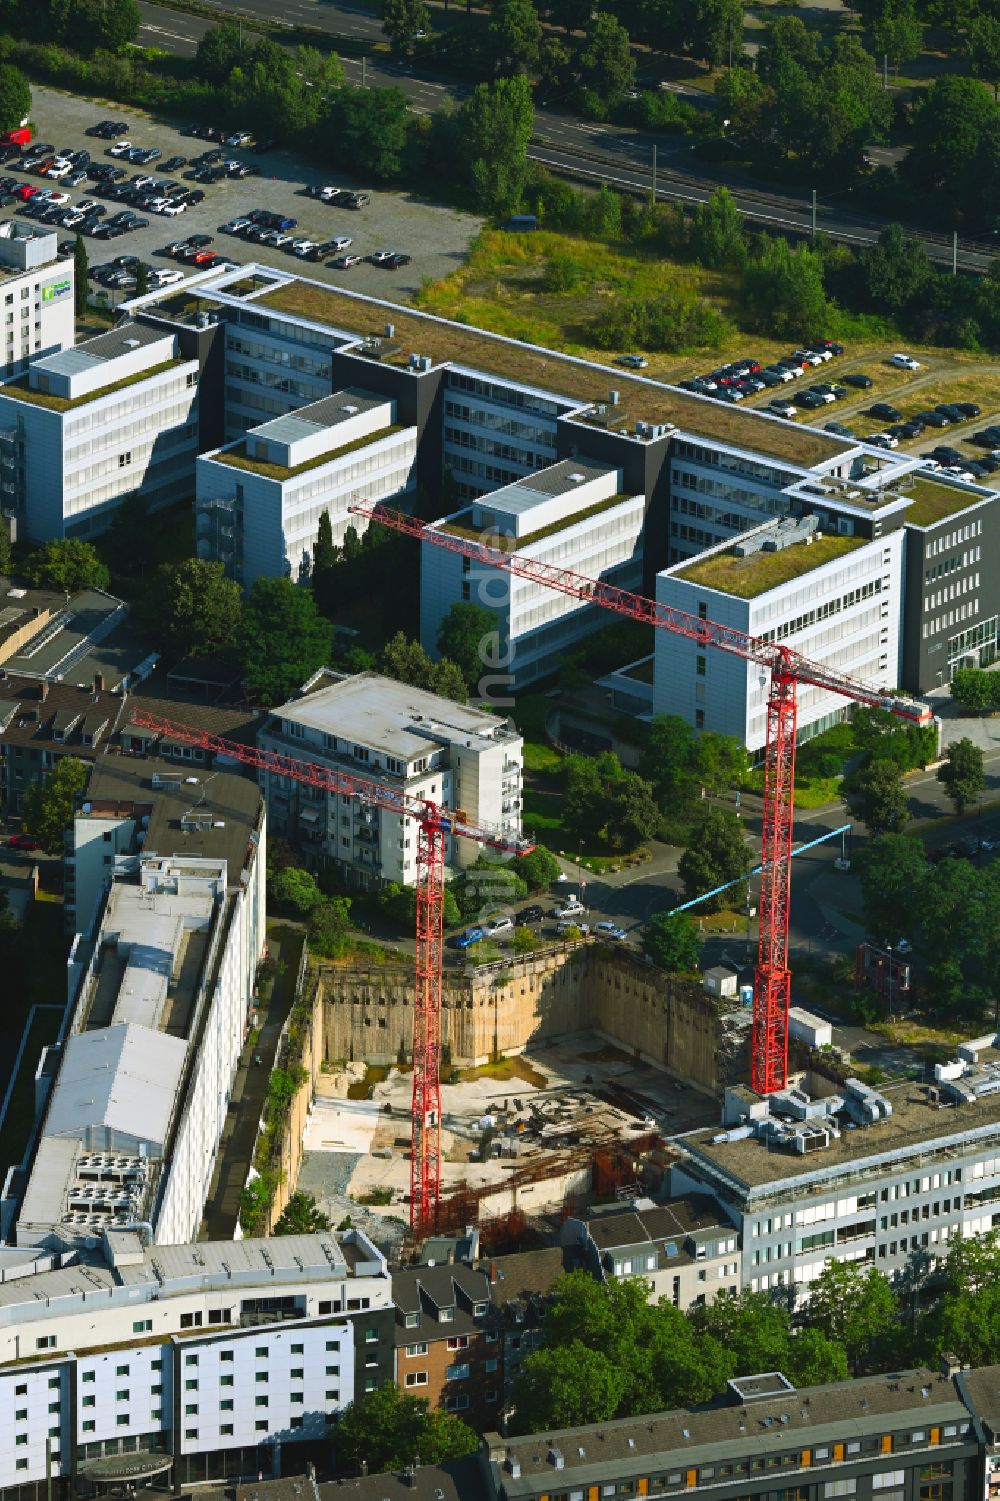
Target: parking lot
x=435, y=238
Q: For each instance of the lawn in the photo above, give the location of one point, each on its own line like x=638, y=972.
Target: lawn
x=748, y=577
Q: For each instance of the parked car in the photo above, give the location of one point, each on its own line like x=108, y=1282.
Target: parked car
x=345, y=262
x=904, y=362
x=783, y=409
x=570, y=906
x=610, y=930
x=968, y=409
x=527, y=915
x=467, y=939
x=632, y=361
x=498, y=925
x=882, y=440
x=23, y=842
x=566, y=927
x=858, y=380
x=885, y=412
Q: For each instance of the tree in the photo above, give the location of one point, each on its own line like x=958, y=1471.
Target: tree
x=896, y=33
x=329, y=926
x=370, y=130
x=538, y=868
x=962, y=773
x=6, y=551
x=141, y=279
x=948, y=126
x=784, y=291
x=325, y=558
x=467, y=636
x=295, y=891
x=388, y=1430
x=400, y=903
x=118, y=23
x=717, y=852
x=47, y=806
x=672, y=942
x=402, y=20
x=896, y=270
x=717, y=236
x=975, y=690
x=515, y=34
x=191, y=607
x=494, y=128
x=744, y=100
x=301, y=1216
x=717, y=31
x=66, y=564
x=668, y=758
x=407, y=662
x=604, y=62
x=876, y=796
x=605, y=803
x=282, y=640
x=853, y=1304
x=893, y=869
x=983, y=42
x=566, y=1386
x=966, y=1320
x=720, y=762
x=219, y=51
x=15, y=97
x=81, y=273
x=758, y=1334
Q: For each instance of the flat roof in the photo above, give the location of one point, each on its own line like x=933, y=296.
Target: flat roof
x=20, y=390
x=329, y=411
x=536, y=489
x=759, y=572
x=391, y=717
x=231, y=804
x=125, y=338
x=238, y=455
x=916, y=1121
x=934, y=500
x=71, y=634
x=445, y=342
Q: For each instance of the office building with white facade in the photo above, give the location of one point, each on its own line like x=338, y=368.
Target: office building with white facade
x=820, y=1171
x=834, y=598
x=36, y=288
x=410, y=741
x=493, y=417
x=572, y=514
x=161, y=976
x=184, y=1363
x=113, y=417
x=259, y=501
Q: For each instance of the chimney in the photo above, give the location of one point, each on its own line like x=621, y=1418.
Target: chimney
x=43, y=691
x=98, y=682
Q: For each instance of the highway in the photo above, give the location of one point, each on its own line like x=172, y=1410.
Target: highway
x=594, y=153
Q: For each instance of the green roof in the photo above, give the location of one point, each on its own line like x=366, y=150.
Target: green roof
x=19, y=390
x=240, y=459
x=756, y=574
x=934, y=501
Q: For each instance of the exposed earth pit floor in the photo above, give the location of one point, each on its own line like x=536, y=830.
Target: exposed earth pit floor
x=580, y=1093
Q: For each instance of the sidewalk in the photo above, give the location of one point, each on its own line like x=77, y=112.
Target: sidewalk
x=235, y=1154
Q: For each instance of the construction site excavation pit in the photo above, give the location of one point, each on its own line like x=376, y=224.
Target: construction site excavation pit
x=522, y=1133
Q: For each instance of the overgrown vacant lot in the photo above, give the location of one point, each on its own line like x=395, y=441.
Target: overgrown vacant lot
x=551, y=288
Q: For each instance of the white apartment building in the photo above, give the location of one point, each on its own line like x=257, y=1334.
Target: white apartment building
x=160, y=988
x=113, y=417
x=409, y=741
x=834, y=597
x=259, y=501
x=197, y=1360
x=573, y=515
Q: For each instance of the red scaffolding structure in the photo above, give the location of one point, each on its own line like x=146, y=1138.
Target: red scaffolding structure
x=788, y=669
x=435, y=825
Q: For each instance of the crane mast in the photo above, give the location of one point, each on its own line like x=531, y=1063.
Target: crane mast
x=787, y=669
x=434, y=826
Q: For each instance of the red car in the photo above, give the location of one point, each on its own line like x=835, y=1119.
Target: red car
x=22, y=842
x=26, y=191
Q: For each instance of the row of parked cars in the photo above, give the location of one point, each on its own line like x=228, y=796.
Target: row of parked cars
x=339, y=197
x=567, y=912
x=263, y=227
x=197, y=251
x=122, y=274
x=746, y=377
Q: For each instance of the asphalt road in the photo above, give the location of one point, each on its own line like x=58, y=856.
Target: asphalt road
x=574, y=148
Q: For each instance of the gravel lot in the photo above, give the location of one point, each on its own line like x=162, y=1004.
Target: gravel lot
x=437, y=238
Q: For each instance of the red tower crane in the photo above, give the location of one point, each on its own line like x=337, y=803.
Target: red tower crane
x=772, y=987
x=434, y=825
